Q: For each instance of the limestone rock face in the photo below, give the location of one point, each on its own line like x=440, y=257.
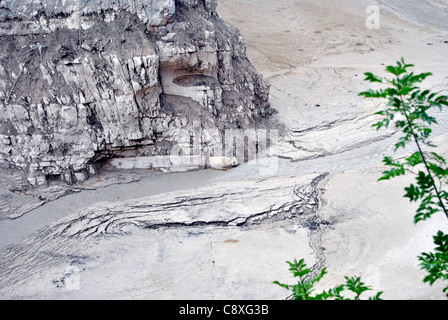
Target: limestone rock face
x=82, y=82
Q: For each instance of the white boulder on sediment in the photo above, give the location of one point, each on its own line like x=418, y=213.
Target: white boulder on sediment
x=223, y=163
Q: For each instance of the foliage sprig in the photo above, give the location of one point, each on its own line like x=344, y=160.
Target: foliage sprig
x=411, y=108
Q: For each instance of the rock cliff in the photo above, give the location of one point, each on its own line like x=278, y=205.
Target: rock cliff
x=82, y=82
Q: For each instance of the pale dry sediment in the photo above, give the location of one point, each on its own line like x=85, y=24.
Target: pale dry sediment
x=230, y=239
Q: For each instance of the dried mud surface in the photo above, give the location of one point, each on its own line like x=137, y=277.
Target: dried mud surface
x=225, y=235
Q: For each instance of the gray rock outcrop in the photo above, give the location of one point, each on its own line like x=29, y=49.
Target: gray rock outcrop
x=82, y=82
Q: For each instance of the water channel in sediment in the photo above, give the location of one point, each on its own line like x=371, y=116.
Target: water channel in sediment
x=12, y=231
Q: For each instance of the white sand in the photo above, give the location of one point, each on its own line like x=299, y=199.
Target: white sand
x=313, y=53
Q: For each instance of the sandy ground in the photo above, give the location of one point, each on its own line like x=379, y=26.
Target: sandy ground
x=313, y=54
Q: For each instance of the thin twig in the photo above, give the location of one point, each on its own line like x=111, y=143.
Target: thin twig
x=423, y=158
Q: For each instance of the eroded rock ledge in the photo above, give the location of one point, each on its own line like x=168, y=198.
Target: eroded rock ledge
x=85, y=82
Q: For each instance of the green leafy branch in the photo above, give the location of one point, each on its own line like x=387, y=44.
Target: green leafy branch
x=436, y=263
x=410, y=108
x=304, y=289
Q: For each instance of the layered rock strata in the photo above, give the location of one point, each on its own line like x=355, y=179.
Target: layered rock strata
x=84, y=82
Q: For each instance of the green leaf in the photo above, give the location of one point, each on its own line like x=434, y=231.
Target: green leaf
x=424, y=180
x=436, y=263
x=427, y=207
x=373, y=94
x=377, y=296
x=432, y=95
x=372, y=78
x=423, y=94
x=395, y=70
x=355, y=285
x=400, y=124
x=389, y=161
x=414, y=159
x=401, y=143
x=439, y=158
x=437, y=170
x=282, y=285
x=420, y=77
x=413, y=193
x=392, y=174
